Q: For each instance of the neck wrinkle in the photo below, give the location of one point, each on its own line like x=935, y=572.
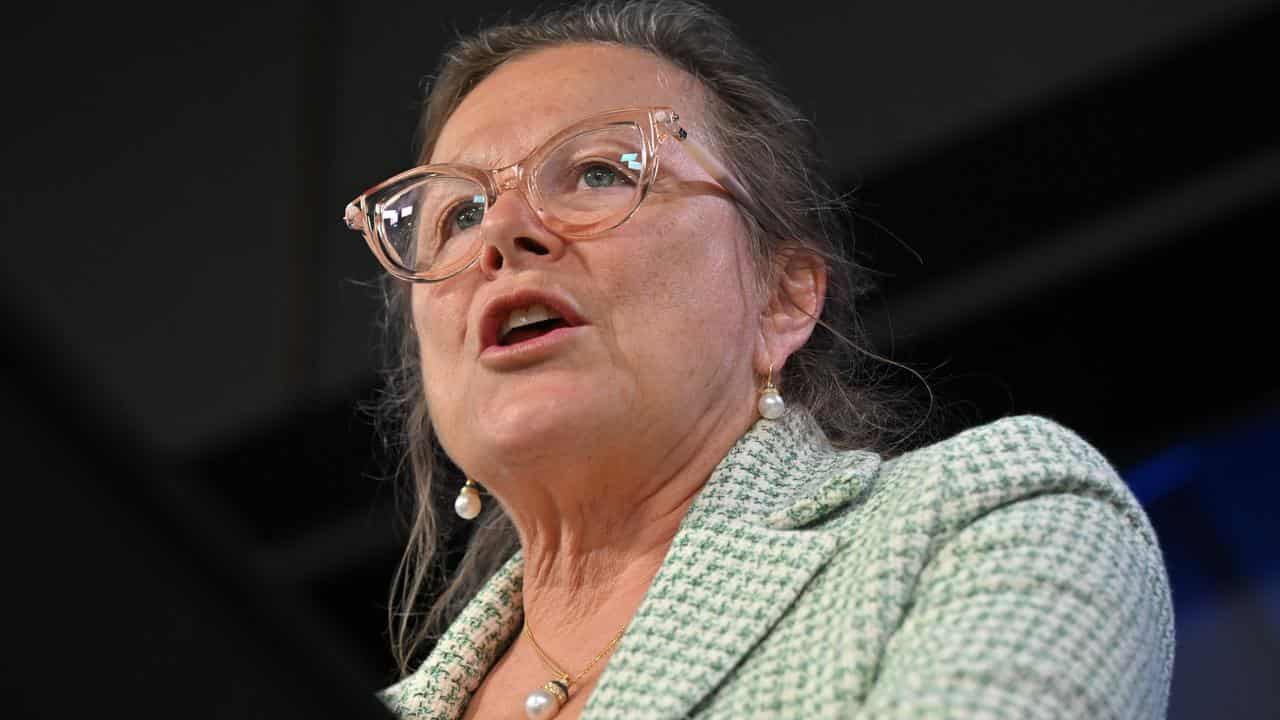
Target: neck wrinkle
x=569, y=579
x=585, y=575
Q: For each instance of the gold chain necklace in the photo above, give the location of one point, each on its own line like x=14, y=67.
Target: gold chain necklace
x=545, y=702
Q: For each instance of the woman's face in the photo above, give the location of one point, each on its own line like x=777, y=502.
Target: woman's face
x=666, y=318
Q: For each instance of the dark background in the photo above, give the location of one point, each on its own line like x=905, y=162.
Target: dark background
x=1073, y=206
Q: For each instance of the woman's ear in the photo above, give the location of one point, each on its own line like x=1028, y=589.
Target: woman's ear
x=795, y=304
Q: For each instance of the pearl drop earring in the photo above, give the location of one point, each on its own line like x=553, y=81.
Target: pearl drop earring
x=771, y=405
x=468, y=503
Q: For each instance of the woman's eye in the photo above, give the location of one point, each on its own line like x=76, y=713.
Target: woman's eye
x=467, y=216
x=599, y=176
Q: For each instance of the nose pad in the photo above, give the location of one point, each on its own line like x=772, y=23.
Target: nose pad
x=506, y=178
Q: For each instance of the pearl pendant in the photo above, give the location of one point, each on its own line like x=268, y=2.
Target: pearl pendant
x=545, y=702
x=467, y=505
x=771, y=405
x=540, y=706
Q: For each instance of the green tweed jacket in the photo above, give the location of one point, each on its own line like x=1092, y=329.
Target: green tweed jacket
x=1006, y=572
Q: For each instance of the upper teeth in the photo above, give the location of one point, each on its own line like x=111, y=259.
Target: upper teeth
x=527, y=316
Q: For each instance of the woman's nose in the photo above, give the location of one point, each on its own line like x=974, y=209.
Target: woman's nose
x=514, y=236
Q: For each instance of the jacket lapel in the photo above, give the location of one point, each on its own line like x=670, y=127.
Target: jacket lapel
x=737, y=563
x=440, y=688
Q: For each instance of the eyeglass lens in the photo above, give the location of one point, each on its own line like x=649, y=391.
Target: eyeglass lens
x=431, y=225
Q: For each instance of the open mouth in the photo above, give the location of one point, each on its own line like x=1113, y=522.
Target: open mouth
x=529, y=332
x=528, y=323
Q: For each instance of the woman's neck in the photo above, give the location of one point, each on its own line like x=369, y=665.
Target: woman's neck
x=574, y=570
x=592, y=549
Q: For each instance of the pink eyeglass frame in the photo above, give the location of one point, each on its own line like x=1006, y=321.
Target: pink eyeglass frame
x=656, y=124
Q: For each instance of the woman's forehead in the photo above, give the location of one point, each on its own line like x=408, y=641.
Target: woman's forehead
x=532, y=97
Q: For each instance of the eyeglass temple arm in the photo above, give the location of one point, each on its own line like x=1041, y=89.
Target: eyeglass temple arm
x=713, y=166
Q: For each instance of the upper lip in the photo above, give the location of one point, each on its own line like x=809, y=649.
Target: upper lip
x=500, y=307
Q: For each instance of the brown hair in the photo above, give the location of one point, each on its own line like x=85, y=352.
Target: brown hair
x=768, y=144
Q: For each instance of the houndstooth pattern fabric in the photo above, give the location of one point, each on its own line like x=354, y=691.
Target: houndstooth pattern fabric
x=1006, y=572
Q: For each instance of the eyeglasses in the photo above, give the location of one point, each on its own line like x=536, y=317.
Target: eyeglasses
x=426, y=224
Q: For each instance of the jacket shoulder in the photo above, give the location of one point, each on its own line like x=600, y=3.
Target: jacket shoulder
x=1028, y=439
x=995, y=534
x=1002, y=462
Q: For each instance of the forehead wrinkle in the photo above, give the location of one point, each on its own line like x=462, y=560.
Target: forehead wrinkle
x=485, y=147
x=486, y=157
x=480, y=149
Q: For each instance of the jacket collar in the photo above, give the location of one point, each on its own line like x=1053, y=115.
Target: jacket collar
x=738, y=561
x=741, y=556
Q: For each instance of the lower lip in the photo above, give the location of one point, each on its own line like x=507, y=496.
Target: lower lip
x=531, y=350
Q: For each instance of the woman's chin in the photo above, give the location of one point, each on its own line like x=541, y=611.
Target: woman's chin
x=536, y=426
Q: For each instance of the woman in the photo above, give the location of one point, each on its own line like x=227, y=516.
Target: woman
x=626, y=318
